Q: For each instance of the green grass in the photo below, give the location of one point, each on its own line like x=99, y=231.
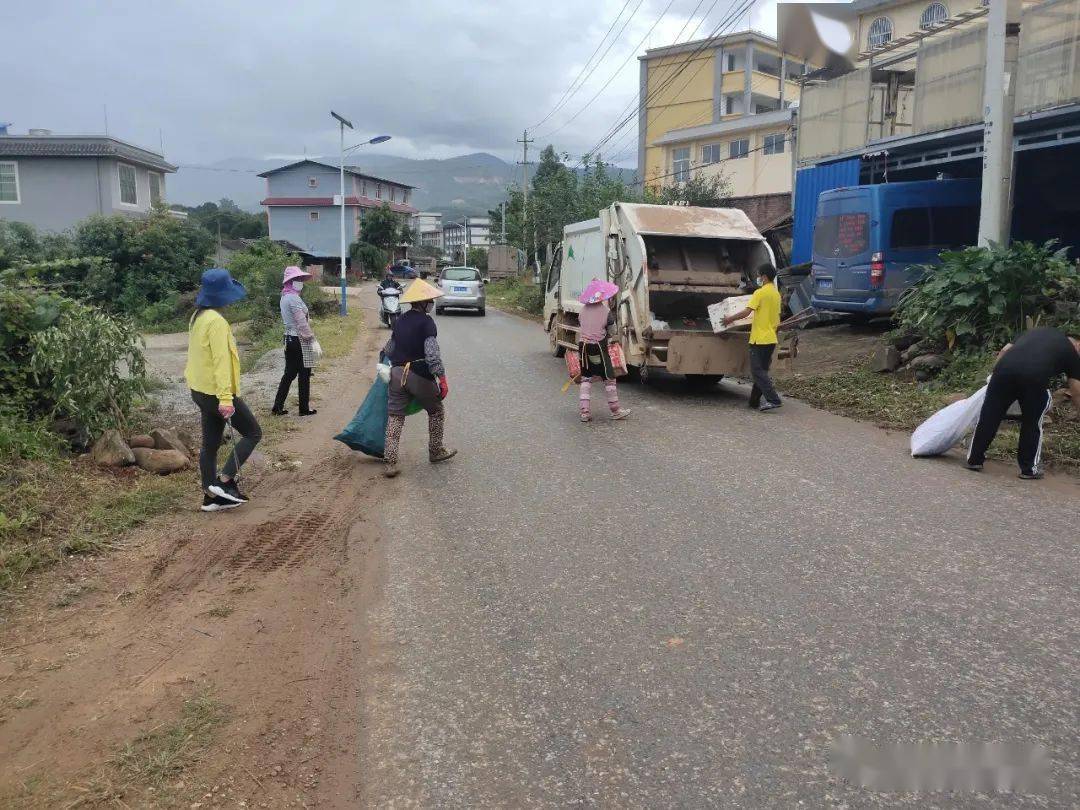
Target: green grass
x=892, y=402
x=57, y=506
x=150, y=759
x=515, y=296
x=336, y=335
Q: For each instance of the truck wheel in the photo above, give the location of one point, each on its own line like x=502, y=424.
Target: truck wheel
x=702, y=382
x=553, y=341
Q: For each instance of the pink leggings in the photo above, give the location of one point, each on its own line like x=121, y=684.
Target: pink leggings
x=585, y=397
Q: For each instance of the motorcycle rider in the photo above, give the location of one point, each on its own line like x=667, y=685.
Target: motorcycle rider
x=390, y=281
x=388, y=286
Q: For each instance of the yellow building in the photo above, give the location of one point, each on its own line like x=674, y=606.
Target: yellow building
x=718, y=102
x=880, y=22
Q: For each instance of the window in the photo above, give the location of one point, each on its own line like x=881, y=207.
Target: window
x=313, y=182
x=9, y=182
x=937, y=228
x=773, y=144
x=739, y=148
x=841, y=236
x=710, y=153
x=880, y=32
x=129, y=191
x=730, y=62
x=955, y=225
x=378, y=192
x=460, y=274
x=393, y=193
x=313, y=216
x=729, y=105
x=155, y=188
x=405, y=196
x=680, y=164
x=933, y=13
x=910, y=229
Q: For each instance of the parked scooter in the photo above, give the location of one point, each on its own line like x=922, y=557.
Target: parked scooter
x=389, y=305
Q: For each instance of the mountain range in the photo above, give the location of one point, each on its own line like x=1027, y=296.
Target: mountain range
x=466, y=185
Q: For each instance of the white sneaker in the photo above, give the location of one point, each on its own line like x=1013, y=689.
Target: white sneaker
x=622, y=413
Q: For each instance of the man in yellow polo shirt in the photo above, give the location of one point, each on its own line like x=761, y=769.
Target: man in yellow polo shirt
x=765, y=305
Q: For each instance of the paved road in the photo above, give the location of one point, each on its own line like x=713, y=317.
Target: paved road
x=687, y=608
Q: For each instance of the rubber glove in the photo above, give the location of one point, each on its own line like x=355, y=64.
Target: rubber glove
x=444, y=387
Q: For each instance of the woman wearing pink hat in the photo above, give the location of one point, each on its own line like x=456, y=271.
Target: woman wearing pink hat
x=596, y=320
x=301, y=347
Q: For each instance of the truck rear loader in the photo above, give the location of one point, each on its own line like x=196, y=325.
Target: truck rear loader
x=670, y=263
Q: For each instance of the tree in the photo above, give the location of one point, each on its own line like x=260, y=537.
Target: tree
x=227, y=219
x=707, y=191
x=554, y=199
x=478, y=258
x=382, y=228
x=367, y=256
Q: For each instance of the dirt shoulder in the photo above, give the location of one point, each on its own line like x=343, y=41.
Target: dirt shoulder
x=211, y=659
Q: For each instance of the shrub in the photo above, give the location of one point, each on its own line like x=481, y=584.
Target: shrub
x=979, y=298
x=64, y=359
x=260, y=268
x=89, y=367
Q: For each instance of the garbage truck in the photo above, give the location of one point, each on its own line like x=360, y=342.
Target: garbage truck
x=670, y=264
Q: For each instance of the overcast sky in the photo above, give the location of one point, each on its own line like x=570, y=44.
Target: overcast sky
x=233, y=78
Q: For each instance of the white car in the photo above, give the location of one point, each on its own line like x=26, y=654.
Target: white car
x=463, y=288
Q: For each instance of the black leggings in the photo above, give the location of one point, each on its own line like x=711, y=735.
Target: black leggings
x=213, y=427
x=294, y=367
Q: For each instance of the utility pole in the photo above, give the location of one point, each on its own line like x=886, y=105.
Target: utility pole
x=502, y=219
x=525, y=188
x=999, y=102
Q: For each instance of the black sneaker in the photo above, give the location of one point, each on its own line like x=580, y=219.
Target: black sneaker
x=974, y=467
x=1031, y=476
x=309, y=412
x=279, y=411
x=216, y=504
x=228, y=490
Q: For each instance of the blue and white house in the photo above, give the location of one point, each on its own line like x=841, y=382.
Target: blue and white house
x=300, y=204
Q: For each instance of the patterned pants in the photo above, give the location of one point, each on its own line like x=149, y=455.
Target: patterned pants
x=394, y=425
x=585, y=396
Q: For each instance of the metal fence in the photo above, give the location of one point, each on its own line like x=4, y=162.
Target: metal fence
x=1049, y=69
x=949, y=77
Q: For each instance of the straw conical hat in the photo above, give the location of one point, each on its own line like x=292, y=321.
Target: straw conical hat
x=420, y=290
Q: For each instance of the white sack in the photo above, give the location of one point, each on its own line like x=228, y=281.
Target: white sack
x=947, y=427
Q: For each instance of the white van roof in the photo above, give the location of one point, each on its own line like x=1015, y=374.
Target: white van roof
x=679, y=220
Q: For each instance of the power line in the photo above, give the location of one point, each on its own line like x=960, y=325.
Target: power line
x=733, y=15
x=613, y=75
x=567, y=92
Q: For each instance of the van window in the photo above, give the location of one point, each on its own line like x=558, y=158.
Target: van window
x=910, y=228
x=842, y=236
x=938, y=227
x=955, y=225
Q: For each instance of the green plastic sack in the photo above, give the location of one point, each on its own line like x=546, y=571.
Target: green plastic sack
x=367, y=430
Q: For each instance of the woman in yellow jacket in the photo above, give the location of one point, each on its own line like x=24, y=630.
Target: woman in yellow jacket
x=213, y=375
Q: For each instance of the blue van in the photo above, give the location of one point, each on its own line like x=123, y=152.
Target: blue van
x=869, y=240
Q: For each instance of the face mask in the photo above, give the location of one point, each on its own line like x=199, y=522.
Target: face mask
x=298, y=285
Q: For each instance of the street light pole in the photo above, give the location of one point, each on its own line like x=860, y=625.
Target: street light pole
x=343, y=123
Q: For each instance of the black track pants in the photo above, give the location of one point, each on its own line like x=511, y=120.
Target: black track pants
x=1002, y=392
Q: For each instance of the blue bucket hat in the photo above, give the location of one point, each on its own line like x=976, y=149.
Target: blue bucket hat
x=219, y=289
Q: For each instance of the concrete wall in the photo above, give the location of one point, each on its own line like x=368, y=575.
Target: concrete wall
x=57, y=193
x=318, y=237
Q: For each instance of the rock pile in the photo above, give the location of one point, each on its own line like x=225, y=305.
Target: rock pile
x=163, y=451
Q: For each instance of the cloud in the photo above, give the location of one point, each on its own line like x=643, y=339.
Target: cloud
x=228, y=78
